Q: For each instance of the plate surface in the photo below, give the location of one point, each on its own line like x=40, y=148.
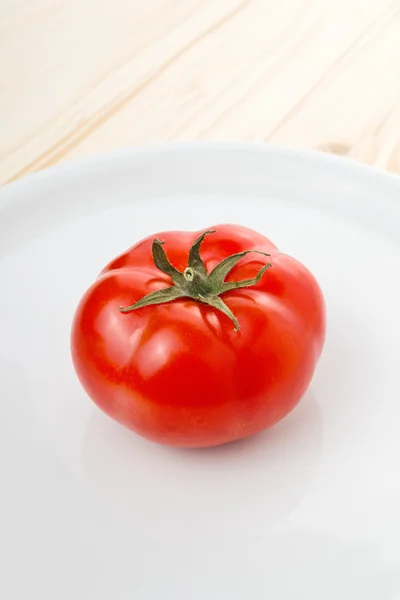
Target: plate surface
x=310, y=508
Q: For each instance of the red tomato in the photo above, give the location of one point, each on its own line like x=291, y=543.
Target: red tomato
x=206, y=350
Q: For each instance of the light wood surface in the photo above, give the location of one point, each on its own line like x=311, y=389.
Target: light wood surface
x=80, y=77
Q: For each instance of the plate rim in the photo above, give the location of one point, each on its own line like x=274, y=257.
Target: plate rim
x=345, y=164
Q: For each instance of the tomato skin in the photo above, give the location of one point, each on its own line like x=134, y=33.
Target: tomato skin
x=178, y=373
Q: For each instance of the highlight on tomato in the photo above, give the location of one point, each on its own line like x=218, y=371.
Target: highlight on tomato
x=198, y=339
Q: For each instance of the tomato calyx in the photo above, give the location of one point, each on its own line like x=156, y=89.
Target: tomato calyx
x=195, y=282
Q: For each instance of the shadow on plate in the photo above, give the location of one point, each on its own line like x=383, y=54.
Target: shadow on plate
x=243, y=485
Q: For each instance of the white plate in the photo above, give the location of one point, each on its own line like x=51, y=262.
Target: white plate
x=311, y=508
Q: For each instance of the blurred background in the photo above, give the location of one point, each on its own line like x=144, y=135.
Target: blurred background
x=82, y=77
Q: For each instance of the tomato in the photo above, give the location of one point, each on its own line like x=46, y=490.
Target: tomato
x=201, y=338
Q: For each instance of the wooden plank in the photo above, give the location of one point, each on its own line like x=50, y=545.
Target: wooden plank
x=79, y=78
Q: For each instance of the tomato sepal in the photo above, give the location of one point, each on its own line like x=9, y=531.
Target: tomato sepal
x=195, y=282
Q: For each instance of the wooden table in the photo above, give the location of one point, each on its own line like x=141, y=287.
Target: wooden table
x=80, y=77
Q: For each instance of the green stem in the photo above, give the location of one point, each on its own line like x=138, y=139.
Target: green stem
x=195, y=282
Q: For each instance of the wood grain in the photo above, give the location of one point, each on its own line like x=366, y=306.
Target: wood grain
x=79, y=77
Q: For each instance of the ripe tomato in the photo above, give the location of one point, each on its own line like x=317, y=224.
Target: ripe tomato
x=158, y=349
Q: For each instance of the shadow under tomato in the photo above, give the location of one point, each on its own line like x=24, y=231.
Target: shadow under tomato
x=245, y=485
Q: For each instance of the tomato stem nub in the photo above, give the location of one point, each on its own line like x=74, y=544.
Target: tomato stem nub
x=188, y=274
x=195, y=282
